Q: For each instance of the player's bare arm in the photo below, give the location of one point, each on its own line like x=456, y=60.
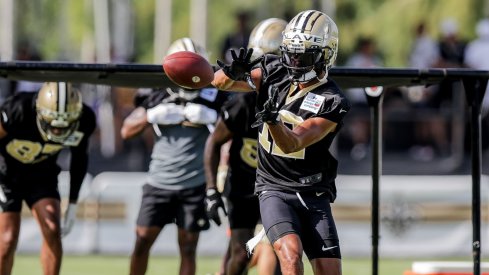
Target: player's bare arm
x=307, y=133
x=223, y=82
x=212, y=153
x=134, y=124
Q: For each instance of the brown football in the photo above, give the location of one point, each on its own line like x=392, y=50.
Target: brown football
x=188, y=70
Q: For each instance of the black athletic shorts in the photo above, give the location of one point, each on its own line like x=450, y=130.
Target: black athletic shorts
x=184, y=207
x=243, y=212
x=28, y=190
x=306, y=214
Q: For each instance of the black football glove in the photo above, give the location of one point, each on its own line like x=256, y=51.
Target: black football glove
x=241, y=66
x=213, y=202
x=269, y=114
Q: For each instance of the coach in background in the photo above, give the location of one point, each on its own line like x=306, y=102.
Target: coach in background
x=302, y=111
x=175, y=189
x=234, y=124
x=34, y=128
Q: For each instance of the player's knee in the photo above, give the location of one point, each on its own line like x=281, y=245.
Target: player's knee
x=240, y=256
x=143, y=245
x=53, y=239
x=8, y=243
x=188, y=249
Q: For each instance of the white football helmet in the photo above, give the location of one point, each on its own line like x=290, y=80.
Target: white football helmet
x=187, y=44
x=58, y=107
x=309, y=45
x=266, y=37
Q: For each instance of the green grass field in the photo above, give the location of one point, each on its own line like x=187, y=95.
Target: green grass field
x=118, y=265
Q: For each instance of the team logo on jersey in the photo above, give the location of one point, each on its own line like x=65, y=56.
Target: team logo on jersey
x=209, y=94
x=74, y=139
x=312, y=102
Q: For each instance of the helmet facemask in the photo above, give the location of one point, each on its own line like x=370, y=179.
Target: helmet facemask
x=56, y=133
x=303, y=67
x=58, y=109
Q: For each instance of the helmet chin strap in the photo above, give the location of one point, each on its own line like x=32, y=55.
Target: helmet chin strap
x=304, y=78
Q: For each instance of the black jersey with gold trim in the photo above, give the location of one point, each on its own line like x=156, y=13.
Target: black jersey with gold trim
x=312, y=168
x=24, y=149
x=238, y=114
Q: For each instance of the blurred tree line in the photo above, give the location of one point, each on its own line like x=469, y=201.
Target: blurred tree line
x=63, y=29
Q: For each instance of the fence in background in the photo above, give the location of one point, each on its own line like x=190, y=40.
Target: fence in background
x=420, y=216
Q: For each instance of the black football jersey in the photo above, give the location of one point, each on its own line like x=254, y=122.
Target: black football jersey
x=312, y=168
x=24, y=149
x=238, y=114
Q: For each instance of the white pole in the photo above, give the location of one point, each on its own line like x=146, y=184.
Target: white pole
x=63, y=23
x=329, y=7
x=6, y=29
x=198, y=21
x=162, y=29
x=123, y=31
x=102, y=33
x=102, y=45
x=87, y=48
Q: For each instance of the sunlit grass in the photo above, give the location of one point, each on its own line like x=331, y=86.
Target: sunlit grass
x=117, y=265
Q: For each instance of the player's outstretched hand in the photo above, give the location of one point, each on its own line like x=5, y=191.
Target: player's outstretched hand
x=241, y=66
x=269, y=114
x=213, y=203
x=69, y=219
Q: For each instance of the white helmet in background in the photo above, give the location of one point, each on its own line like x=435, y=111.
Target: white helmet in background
x=187, y=44
x=266, y=37
x=310, y=45
x=180, y=45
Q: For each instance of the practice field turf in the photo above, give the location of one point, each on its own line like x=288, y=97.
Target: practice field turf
x=118, y=265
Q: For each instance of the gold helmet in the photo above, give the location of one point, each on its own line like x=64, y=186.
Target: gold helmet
x=266, y=37
x=187, y=44
x=58, y=107
x=310, y=44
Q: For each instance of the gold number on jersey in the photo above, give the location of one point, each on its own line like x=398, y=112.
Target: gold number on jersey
x=26, y=151
x=266, y=141
x=248, y=152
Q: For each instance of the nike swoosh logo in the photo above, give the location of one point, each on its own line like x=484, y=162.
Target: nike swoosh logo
x=342, y=111
x=319, y=193
x=328, y=248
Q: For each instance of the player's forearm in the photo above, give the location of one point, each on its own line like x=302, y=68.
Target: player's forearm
x=212, y=156
x=78, y=170
x=223, y=82
x=284, y=138
x=134, y=124
x=309, y=132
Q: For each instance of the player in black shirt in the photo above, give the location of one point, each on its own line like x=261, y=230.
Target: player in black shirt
x=34, y=128
x=301, y=113
x=234, y=124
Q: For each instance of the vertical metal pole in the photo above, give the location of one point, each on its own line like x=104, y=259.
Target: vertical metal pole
x=163, y=27
x=122, y=31
x=7, y=30
x=374, y=98
x=475, y=89
x=198, y=21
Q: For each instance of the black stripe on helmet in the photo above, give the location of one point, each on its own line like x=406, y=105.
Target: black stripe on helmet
x=304, y=25
x=319, y=14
